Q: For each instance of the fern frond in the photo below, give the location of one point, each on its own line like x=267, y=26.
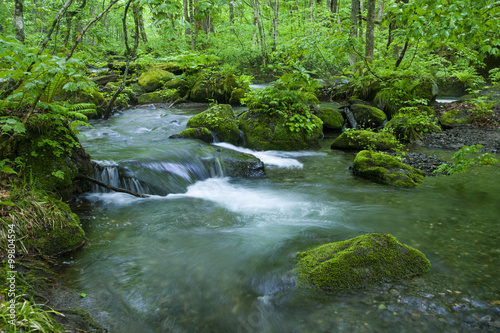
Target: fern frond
x=52, y=88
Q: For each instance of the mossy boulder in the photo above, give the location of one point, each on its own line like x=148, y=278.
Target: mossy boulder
x=199, y=133
x=386, y=169
x=239, y=164
x=219, y=119
x=359, y=140
x=406, y=128
x=236, y=96
x=154, y=79
x=263, y=131
x=360, y=262
x=53, y=156
x=368, y=116
x=212, y=85
x=455, y=118
x=332, y=118
x=177, y=83
x=161, y=96
x=171, y=67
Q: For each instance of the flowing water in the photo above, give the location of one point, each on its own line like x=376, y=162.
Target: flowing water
x=210, y=253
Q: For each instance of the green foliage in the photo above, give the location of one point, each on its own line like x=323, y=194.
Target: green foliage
x=410, y=123
x=289, y=104
x=462, y=160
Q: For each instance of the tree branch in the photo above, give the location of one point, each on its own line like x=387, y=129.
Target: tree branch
x=116, y=189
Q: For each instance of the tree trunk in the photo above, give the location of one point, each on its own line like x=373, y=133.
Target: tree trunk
x=275, y=5
x=187, y=31
x=370, y=30
x=381, y=9
x=258, y=23
x=354, y=28
x=19, y=20
x=231, y=13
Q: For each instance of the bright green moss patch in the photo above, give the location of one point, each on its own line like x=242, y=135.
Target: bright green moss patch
x=331, y=117
x=368, y=116
x=199, y=133
x=264, y=131
x=219, y=119
x=455, y=118
x=386, y=169
x=359, y=140
x=360, y=262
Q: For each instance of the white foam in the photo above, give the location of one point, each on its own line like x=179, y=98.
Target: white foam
x=275, y=158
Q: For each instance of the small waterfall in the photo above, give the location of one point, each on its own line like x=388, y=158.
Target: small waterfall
x=350, y=118
x=156, y=177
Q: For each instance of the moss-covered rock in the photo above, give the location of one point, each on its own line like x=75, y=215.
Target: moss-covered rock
x=263, y=131
x=171, y=67
x=53, y=156
x=359, y=140
x=177, y=83
x=332, y=118
x=43, y=224
x=360, y=262
x=154, y=79
x=236, y=96
x=408, y=128
x=199, y=133
x=161, y=96
x=368, y=116
x=386, y=169
x=455, y=118
x=219, y=119
x=213, y=85
x=239, y=164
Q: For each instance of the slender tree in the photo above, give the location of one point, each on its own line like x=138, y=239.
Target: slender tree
x=19, y=20
x=370, y=30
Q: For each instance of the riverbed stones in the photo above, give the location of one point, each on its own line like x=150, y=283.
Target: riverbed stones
x=359, y=140
x=386, y=169
x=360, y=262
x=219, y=119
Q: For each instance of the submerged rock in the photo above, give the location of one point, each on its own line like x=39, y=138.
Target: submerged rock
x=360, y=262
x=386, y=169
x=199, y=133
x=221, y=120
x=359, y=140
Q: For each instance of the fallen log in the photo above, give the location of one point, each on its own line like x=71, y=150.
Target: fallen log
x=110, y=187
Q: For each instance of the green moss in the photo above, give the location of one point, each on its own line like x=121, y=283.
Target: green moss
x=236, y=96
x=358, y=140
x=386, y=169
x=271, y=132
x=408, y=128
x=219, y=119
x=360, y=262
x=213, y=85
x=455, y=118
x=199, y=133
x=368, y=116
x=154, y=79
x=331, y=117
x=43, y=225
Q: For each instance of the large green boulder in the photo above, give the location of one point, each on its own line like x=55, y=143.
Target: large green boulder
x=331, y=117
x=212, y=85
x=386, y=169
x=368, y=116
x=264, y=131
x=219, y=119
x=360, y=262
x=199, y=133
x=359, y=140
x=455, y=118
x=154, y=79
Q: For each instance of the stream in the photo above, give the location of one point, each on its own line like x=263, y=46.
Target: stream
x=211, y=253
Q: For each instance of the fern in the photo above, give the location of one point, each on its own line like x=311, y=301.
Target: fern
x=53, y=87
